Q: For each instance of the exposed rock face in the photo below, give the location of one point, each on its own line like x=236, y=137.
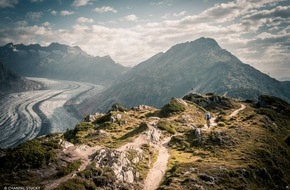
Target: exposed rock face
x=119, y=162
x=13, y=82
x=209, y=100
x=201, y=66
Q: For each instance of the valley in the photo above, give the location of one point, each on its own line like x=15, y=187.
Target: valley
x=26, y=115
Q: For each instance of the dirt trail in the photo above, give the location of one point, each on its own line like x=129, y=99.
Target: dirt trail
x=234, y=113
x=82, y=153
x=142, y=139
x=156, y=173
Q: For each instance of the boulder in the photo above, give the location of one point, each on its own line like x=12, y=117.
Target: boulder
x=119, y=163
x=197, y=135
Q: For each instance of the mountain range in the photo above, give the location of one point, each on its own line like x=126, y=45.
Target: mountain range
x=198, y=66
x=13, y=82
x=58, y=61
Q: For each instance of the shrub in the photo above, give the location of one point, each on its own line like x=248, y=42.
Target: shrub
x=165, y=125
x=221, y=124
x=69, y=168
x=119, y=107
x=75, y=135
x=174, y=106
x=77, y=183
x=31, y=154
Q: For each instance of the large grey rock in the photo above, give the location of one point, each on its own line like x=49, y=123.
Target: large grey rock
x=119, y=163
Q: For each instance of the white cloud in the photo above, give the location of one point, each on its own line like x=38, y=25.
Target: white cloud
x=131, y=17
x=105, y=9
x=80, y=3
x=53, y=12
x=36, y=1
x=228, y=23
x=8, y=3
x=34, y=15
x=66, y=13
x=85, y=20
x=45, y=24
x=182, y=13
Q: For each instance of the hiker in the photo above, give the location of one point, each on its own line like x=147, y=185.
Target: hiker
x=207, y=117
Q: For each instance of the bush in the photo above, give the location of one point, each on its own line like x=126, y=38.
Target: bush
x=221, y=124
x=119, y=107
x=31, y=154
x=174, y=106
x=75, y=135
x=69, y=168
x=165, y=125
x=77, y=183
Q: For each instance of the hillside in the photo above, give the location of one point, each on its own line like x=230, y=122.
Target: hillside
x=201, y=66
x=246, y=147
x=59, y=61
x=13, y=82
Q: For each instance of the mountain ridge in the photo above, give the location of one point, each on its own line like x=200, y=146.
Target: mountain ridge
x=13, y=82
x=59, y=61
x=201, y=65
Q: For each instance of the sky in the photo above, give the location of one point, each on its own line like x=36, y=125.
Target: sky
x=131, y=31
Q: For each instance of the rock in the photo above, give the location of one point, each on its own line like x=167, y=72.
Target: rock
x=153, y=135
x=197, y=134
x=66, y=144
x=206, y=178
x=141, y=107
x=181, y=101
x=119, y=163
x=129, y=176
x=135, y=160
x=92, y=118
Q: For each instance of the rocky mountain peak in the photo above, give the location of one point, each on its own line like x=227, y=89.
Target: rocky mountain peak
x=201, y=45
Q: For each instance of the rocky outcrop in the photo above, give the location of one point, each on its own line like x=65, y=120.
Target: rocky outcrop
x=209, y=100
x=119, y=163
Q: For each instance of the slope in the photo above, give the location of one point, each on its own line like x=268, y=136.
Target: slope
x=123, y=149
x=59, y=61
x=13, y=82
x=201, y=65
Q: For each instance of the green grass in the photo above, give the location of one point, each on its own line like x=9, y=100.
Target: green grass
x=172, y=107
x=166, y=126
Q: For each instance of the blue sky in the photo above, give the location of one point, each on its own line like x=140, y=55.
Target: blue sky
x=130, y=31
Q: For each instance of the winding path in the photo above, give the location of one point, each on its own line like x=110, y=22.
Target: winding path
x=26, y=115
x=234, y=113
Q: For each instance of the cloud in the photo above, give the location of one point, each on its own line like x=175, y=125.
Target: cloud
x=105, y=9
x=85, y=20
x=36, y=1
x=131, y=17
x=66, y=13
x=80, y=3
x=34, y=15
x=62, y=13
x=182, y=13
x=8, y=3
x=53, y=12
x=257, y=32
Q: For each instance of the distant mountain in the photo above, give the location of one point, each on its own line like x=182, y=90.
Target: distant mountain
x=13, y=82
x=199, y=66
x=59, y=61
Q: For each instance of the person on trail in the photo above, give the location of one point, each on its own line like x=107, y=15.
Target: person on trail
x=207, y=117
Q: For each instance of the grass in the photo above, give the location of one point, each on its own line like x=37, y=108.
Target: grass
x=166, y=126
x=173, y=107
